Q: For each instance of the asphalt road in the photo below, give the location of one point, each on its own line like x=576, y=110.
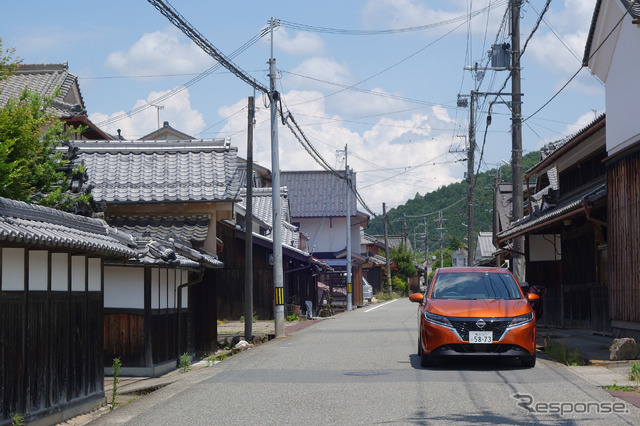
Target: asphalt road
x=361, y=367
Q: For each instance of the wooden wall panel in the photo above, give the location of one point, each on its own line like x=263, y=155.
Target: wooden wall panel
x=124, y=338
x=48, y=360
x=624, y=233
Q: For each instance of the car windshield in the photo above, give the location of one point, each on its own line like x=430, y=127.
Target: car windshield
x=475, y=285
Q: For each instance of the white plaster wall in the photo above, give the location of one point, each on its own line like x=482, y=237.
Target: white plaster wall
x=329, y=234
x=38, y=270
x=163, y=288
x=13, y=269
x=171, y=284
x=622, y=90
x=59, y=272
x=547, y=247
x=78, y=269
x=184, y=278
x=155, y=288
x=95, y=274
x=123, y=287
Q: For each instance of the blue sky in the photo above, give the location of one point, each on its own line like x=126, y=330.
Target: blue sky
x=391, y=98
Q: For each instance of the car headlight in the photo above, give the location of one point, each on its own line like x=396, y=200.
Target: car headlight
x=521, y=320
x=437, y=319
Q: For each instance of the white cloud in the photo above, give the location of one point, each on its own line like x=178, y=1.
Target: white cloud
x=395, y=14
x=301, y=44
x=176, y=110
x=159, y=52
x=393, y=158
x=321, y=72
x=442, y=114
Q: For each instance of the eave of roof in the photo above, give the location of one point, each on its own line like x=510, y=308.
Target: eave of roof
x=33, y=225
x=568, y=208
x=596, y=125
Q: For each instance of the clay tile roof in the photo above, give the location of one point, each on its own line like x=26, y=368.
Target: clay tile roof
x=160, y=171
x=37, y=226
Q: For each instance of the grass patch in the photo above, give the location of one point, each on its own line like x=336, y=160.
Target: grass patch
x=635, y=372
x=617, y=387
x=562, y=353
x=384, y=295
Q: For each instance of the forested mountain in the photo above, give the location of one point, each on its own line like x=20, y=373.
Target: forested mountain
x=422, y=212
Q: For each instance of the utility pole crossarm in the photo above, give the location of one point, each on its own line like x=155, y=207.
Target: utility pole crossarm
x=183, y=25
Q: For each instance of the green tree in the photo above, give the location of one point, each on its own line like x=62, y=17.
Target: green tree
x=403, y=259
x=30, y=168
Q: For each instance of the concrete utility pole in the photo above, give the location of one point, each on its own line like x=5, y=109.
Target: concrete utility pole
x=278, y=275
x=440, y=228
x=426, y=241
x=516, y=140
x=386, y=247
x=471, y=177
x=248, y=239
x=348, y=220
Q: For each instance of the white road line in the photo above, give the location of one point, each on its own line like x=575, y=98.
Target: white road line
x=379, y=306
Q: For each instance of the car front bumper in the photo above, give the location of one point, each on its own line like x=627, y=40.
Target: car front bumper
x=441, y=341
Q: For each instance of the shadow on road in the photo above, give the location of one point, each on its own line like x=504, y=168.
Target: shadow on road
x=479, y=363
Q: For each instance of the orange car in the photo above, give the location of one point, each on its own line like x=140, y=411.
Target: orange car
x=475, y=311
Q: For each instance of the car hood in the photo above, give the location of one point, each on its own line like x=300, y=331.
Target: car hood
x=478, y=308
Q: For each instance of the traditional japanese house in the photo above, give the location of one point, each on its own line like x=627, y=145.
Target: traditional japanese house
x=612, y=53
x=566, y=230
x=158, y=188
x=51, y=310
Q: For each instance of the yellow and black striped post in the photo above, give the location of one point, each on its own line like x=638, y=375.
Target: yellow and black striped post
x=279, y=295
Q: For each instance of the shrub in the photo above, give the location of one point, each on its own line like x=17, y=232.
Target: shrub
x=185, y=362
x=562, y=353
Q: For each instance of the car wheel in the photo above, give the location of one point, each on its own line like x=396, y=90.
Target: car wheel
x=425, y=360
x=528, y=361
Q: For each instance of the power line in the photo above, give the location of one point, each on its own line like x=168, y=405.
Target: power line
x=183, y=25
x=351, y=87
x=581, y=67
x=341, y=31
x=184, y=86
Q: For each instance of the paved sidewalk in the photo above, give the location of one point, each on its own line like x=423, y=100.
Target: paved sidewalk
x=594, y=349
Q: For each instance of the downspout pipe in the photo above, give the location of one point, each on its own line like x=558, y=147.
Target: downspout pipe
x=178, y=319
x=587, y=206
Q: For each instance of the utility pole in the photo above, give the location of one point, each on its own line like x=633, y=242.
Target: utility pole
x=516, y=140
x=158, y=108
x=471, y=177
x=386, y=247
x=278, y=275
x=426, y=241
x=348, y=220
x=441, y=229
x=248, y=240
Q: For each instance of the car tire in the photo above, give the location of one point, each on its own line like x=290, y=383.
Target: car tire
x=528, y=361
x=426, y=361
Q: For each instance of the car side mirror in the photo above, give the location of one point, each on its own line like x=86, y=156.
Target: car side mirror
x=417, y=298
x=532, y=297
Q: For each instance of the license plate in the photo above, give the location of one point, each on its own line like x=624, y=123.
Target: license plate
x=480, y=337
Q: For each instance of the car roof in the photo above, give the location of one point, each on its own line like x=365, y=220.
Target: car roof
x=487, y=269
